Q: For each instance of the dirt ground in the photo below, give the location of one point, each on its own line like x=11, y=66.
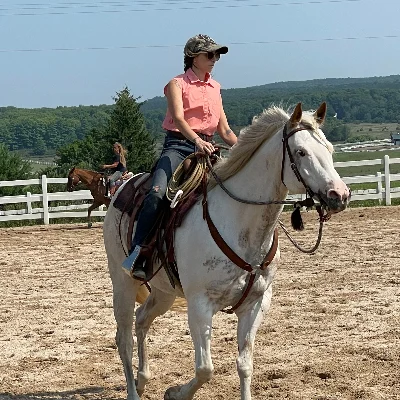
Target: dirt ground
x=332, y=333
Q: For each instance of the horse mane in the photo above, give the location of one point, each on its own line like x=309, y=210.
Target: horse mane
x=86, y=170
x=262, y=128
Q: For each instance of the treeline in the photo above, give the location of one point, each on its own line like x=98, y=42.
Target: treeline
x=42, y=129
x=353, y=100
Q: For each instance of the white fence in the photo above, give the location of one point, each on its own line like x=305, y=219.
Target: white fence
x=46, y=212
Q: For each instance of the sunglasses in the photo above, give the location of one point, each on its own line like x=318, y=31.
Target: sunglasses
x=213, y=54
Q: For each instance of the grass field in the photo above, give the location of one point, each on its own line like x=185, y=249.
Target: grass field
x=364, y=131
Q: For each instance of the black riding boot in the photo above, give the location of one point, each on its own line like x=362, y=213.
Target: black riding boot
x=135, y=263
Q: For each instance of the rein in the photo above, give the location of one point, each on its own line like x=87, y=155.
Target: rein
x=308, y=202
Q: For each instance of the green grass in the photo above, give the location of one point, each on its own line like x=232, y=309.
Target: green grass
x=365, y=131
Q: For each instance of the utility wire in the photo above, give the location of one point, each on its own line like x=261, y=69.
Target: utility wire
x=66, y=49
x=59, y=9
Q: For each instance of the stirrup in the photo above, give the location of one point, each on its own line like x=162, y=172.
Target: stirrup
x=129, y=262
x=139, y=272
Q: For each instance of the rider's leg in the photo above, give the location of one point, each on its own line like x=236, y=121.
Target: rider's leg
x=175, y=151
x=112, y=181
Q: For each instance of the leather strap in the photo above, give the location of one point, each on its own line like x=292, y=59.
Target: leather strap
x=237, y=260
x=138, y=202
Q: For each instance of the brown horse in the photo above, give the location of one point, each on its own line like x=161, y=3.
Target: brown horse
x=95, y=182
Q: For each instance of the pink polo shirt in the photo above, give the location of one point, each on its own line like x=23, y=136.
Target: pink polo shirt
x=201, y=103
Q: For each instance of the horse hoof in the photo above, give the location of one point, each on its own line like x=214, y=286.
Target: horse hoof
x=172, y=393
x=89, y=225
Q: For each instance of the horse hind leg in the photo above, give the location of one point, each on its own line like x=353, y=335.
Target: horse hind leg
x=90, y=209
x=157, y=303
x=200, y=323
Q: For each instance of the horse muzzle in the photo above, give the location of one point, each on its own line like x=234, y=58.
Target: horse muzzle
x=337, y=198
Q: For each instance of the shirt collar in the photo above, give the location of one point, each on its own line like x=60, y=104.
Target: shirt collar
x=193, y=77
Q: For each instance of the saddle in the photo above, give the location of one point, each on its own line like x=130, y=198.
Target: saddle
x=161, y=245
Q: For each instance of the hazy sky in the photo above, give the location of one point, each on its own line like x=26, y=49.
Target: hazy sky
x=47, y=55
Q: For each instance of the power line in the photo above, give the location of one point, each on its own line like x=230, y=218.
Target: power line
x=67, y=49
x=31, y=9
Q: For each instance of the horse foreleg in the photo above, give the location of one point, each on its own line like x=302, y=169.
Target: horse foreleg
x=158, y=303
x=124, y=294
x=90, y=209
x=249, y=321
x=200, y=324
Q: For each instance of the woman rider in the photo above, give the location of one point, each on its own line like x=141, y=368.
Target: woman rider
x=194, y=113
x=118, y=166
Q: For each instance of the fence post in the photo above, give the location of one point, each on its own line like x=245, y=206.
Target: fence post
x=28, y=203
x=388, y=200
x=379, y=186
x=45, y=200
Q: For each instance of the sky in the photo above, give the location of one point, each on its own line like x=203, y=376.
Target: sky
x=81, y=52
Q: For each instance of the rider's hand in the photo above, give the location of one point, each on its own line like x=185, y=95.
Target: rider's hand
x=204, y=147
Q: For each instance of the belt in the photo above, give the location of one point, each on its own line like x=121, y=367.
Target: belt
x=181, y=136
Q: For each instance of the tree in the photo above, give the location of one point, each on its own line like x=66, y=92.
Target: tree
x=12, y=167
x=128, y=126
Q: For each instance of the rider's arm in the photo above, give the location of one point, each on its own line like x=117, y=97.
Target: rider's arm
x=224, y=131
x=175, y=106
x=105, y=166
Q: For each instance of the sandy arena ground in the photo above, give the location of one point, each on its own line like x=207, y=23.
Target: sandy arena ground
x=333, y=331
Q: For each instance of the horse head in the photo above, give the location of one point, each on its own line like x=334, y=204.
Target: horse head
x=73, y=180
x=284, y=153
x=307, y=163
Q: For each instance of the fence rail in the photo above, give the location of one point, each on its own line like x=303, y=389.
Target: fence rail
x=46, y=211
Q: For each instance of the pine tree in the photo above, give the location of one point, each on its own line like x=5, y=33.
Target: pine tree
x=127, y=126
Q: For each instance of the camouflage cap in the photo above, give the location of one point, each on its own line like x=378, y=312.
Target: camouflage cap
x=202, y=43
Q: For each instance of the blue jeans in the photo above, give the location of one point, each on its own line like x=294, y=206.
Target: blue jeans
x=114, y=177
x=174, y=151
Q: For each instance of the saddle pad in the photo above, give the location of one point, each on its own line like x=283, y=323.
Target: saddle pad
x=125, y=198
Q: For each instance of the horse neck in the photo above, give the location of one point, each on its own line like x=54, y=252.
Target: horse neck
x=85, y=176
x=258, y=180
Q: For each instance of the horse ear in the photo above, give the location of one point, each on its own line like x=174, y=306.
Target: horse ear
x=296, y=116
x=320, y=114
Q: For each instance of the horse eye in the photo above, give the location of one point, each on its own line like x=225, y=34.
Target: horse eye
x=301, y=153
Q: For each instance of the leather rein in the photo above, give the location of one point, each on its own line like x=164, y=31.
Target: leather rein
x=224, y=247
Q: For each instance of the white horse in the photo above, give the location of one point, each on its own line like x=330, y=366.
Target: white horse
x=258, y=168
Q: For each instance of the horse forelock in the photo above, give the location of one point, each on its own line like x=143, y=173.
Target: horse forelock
x=262, y=128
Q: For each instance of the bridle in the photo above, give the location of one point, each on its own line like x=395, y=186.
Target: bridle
x=308, y=202
x=72, y=182
x=286, y=149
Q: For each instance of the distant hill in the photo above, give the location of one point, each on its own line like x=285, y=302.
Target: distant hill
x=375, y=99
x=354, y=100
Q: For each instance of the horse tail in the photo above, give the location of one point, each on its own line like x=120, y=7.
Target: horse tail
x=142, y=294
x=179, y=305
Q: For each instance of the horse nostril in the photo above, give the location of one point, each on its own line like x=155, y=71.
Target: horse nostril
x=333, y=194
